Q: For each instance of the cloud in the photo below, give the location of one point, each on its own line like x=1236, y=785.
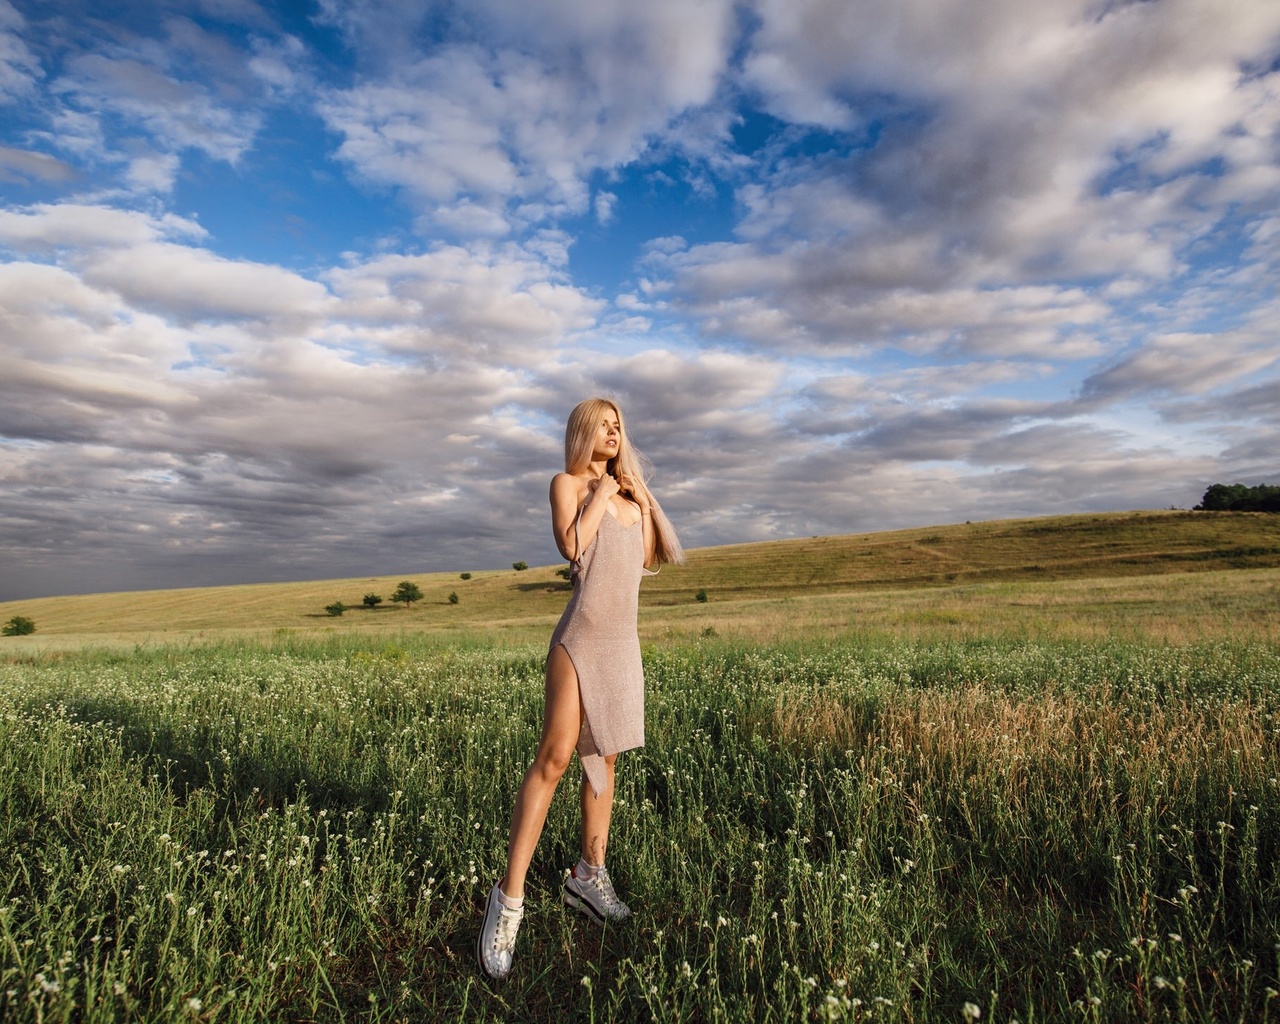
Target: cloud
x=556, y=94
x=1031, y=186
x=851, y=297
x=193, y=284
x=126, y=104
x=1186, y=364
x=21, y=165
x=503, y=303
x=175, y=112
x=976, y=263
x=78, y=226
x=19, y=68
x=231, y=417
x=604, y=206
x=435, y=134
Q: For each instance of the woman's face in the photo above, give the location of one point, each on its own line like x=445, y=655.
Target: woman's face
x=608, y=438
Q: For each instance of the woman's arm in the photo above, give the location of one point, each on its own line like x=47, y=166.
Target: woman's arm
x=567, y=493
x=650, y=544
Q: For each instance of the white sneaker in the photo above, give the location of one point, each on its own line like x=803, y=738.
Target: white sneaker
x=496, y=944
x=595, y=896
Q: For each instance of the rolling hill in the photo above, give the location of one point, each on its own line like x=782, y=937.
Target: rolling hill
x=818, y=580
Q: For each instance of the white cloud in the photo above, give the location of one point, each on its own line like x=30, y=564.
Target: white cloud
x=177, y=113
x=193, y=284
x=153, y=173
x=503, y=303
x=437, y=133
x=559, y=92
x=77, y=226
x=76, y=133
x=19, y=68
x=279, y=64
x=850, y=298
x=1187, y=364
x=604, y=206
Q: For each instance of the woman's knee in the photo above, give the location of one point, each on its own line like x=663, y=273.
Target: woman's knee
x=552, y=760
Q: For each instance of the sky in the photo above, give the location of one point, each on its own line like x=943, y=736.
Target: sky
x=306, y=290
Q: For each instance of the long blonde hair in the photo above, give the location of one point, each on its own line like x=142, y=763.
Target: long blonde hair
x=579, y=443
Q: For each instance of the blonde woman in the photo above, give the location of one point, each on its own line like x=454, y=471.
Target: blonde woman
x=611, y=530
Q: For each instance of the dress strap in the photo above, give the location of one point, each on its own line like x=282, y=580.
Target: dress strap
x=575, y=565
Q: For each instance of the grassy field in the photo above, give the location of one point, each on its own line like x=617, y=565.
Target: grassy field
x=1029, y=799
x=876, y=830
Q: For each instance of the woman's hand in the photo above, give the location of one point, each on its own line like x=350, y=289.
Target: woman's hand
x=603, y=488
x=631, y=488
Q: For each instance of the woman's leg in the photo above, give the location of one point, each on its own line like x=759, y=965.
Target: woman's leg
x=561, y=724
x=589, y=888
x=596, y=812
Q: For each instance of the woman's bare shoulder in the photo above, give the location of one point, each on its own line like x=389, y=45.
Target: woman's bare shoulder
x=567, y=487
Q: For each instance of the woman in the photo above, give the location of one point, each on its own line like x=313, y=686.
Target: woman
x=611, y=530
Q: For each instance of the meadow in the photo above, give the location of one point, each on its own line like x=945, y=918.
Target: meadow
x=1010, y=799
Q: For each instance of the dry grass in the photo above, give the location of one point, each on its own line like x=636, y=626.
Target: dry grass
x=975, y=725
x=1014, y=550
x=1180, y=609
x=1073, y=576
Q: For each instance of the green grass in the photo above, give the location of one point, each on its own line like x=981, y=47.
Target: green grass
x=871, y=828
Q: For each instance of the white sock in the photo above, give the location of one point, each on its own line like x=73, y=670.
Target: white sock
x=510, y=902
x=586, y=871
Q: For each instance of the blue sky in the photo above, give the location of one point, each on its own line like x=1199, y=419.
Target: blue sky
x=306, y=290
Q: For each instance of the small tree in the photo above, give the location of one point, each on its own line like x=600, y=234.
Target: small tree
x=407, y=593
x=565, y=574
x=335, y=609
x=453, y=597
x=519, y=566
x=371, y=601
x=701, y=596
x=464, y=576
x=19, y=625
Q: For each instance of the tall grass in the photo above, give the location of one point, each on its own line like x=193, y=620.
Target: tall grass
x=874, y=830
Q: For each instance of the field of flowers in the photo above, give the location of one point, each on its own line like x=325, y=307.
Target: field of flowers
x=875, y=829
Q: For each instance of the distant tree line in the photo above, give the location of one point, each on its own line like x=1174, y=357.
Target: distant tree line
x=1239, y=498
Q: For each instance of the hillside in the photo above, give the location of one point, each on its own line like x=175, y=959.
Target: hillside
x=941, y=566
x=1052, y=548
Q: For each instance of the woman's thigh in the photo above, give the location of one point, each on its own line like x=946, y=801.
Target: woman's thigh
x=562, y=715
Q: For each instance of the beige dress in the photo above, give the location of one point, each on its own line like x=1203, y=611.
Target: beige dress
x=598, y=631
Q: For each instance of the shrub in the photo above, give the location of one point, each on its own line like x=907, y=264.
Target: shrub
x=566, y=573
x=464, y=576
x=519, y=566
x=19, y=625
x=372, y=600
x=337, y=608
x=701, y=596
x=453, y=597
